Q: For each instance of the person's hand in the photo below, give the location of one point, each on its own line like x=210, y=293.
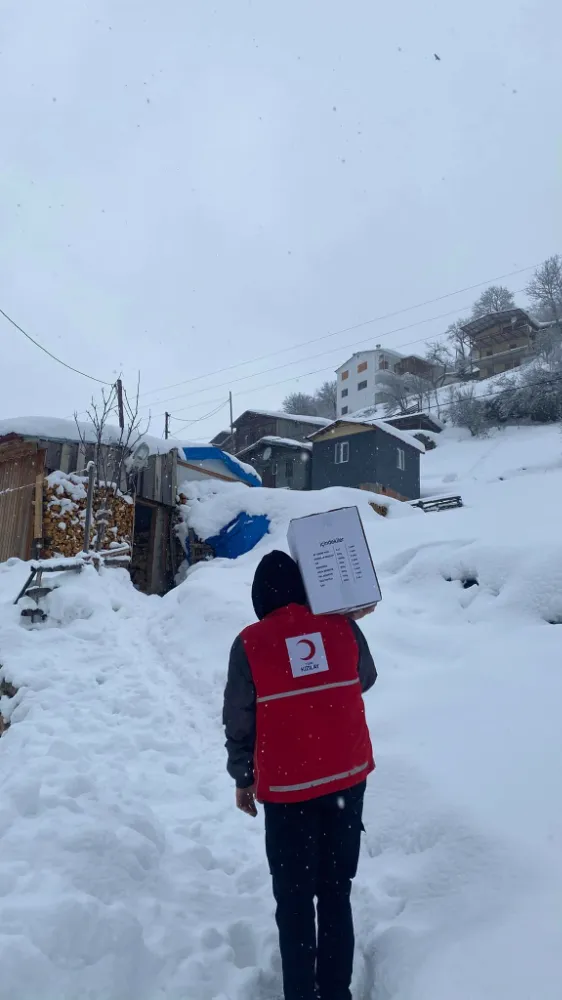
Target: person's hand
x=246, y=800
x=356, y=615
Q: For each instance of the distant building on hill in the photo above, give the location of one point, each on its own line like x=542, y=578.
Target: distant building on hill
x=361, y=379
x=501, y=341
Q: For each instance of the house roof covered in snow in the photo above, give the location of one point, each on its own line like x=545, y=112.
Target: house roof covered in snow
x=68, y=431
x=515, y=316
x=369, y=350
x=59, y=429
x=380, y=425
x=297, y=418
x=279, y=442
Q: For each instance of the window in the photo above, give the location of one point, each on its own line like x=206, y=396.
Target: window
x=344, y=376
x=362, y=367
x=344, y=393
x=362, y=385
x=342, y=452
x=401, y=459
x=344, y=410
x=512, y=347
x=489, y=353
x=274, y=469
x=383, y=365
x=289, y=468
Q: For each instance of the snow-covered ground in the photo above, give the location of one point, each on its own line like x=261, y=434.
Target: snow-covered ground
x=126, y=872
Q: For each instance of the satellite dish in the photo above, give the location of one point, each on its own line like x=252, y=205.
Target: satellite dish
x=139, y=457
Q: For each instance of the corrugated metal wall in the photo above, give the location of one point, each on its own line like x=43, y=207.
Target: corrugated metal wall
x=20, y=464
x=158, y=482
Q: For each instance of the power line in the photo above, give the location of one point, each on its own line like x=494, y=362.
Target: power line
x=199, y=419
x=348, y=329
x=49, y=353
x=311, y=357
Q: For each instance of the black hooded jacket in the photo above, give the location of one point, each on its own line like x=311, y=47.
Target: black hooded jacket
x=277, y=583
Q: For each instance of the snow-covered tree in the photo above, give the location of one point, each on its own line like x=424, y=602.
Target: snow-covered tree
x=300, y=402
x=321, y=403
x=326, y=398
x=466, y=410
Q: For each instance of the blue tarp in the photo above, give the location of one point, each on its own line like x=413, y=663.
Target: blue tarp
x=209, y=452
x=239, y=536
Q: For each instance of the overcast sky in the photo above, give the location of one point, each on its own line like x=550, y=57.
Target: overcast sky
x=189, y=185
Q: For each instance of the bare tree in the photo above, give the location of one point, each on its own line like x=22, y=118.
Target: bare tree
x=321, y=403
x=461, y=346
x=548, y=345
x=112, y=449
x=496, y=298
x=419, y=391
x=442, y=361
x=395, y=389
x=300, y=403
x=545, y=288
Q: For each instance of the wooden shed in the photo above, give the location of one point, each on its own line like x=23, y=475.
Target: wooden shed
x=43, y=464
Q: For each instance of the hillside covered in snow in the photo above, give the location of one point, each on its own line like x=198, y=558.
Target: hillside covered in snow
x=126, y=872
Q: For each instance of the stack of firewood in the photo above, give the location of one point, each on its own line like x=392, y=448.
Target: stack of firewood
x=64, y=515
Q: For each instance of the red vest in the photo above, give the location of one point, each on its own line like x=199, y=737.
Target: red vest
x=311, y=733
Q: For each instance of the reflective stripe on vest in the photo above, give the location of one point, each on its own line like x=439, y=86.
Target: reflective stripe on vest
x=309, y=690
x=318, y=781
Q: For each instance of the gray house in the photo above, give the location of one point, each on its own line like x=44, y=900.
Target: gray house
x=282, y=463
x=252, y=425
x=367, y=454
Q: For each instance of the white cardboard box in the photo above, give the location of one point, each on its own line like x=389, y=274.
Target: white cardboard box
x=335, y=562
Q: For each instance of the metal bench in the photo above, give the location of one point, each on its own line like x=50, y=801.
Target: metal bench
x=428, y=504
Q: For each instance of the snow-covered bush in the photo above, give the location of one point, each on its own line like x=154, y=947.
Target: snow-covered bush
x=536, y=395
x=466, y=410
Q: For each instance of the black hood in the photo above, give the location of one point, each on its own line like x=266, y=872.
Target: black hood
x=277, y=582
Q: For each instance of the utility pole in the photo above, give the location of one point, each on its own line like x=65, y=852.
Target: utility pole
x=167, y=425
x=231, y=423
x=119, y=389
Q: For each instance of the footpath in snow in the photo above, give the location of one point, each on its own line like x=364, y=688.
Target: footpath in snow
x=127, y=874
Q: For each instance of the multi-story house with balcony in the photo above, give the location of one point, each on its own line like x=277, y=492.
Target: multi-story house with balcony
x=501, y=341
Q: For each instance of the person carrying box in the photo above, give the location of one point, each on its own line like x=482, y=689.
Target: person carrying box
x=297, y=741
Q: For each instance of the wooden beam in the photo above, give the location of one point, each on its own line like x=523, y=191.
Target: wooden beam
x=38, y=516
x=207, y=472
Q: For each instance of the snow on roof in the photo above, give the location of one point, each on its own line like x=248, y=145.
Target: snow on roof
x=59, y=429
x=281, y=415
x=281, y=441
x=370, y=350
x=381, y=425
x=417, y=413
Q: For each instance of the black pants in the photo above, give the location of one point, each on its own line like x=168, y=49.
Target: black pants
x=313, y=850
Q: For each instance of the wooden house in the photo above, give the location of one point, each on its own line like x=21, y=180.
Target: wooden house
x=281, y=462
x=252, y=425
x=501, y=340
x=367, y=454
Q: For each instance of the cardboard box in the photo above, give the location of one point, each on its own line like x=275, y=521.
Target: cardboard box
x=334, y=559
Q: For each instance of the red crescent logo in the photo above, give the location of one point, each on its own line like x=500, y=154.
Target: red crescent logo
x=311, y=647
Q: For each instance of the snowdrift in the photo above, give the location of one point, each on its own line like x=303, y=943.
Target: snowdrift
x=127, y=874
